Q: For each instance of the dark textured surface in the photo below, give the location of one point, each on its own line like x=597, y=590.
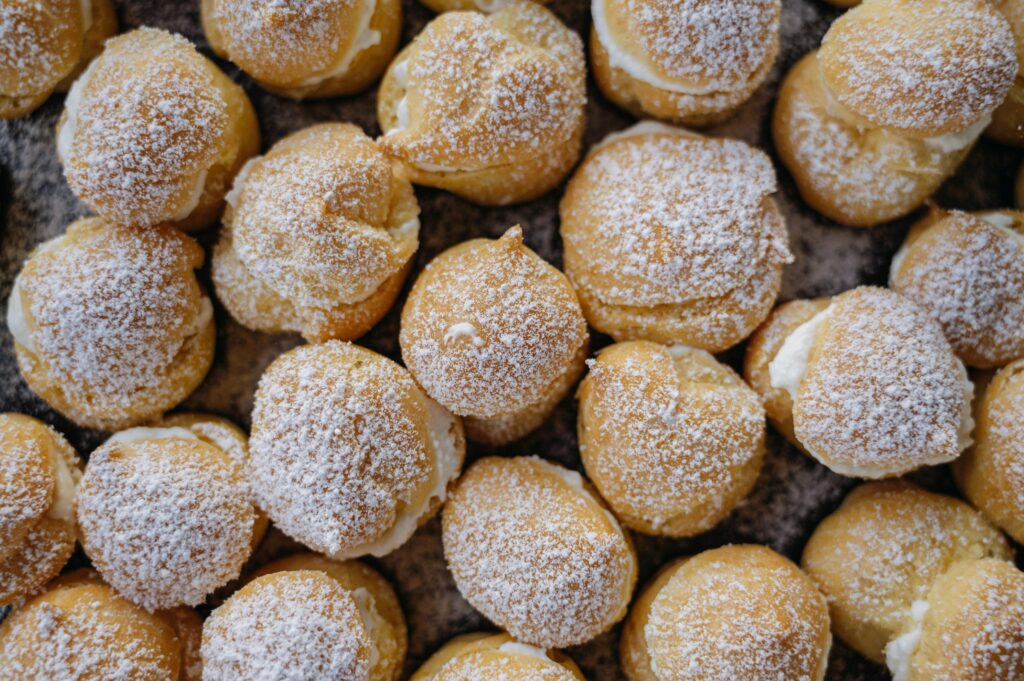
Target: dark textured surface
x=793, y=493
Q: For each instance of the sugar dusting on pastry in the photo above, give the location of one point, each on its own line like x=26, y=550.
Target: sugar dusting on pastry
x=35, y=48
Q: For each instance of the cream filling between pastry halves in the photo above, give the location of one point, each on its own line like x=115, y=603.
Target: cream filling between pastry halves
x=366, y=37
x=517, y=648
x=64, y=499
x=144, y=433
x=899, y=650
x=400, y=72
x=367, y=607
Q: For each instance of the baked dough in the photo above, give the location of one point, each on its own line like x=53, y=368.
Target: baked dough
x=495, y=334
x=673, y=237
x=110, y=324
x=672, y=439
x=533, y=548
x=315, y=48
x=691, y=62
x=471, y=657
x=154, y=132
x=736, y=612
x=1007, y=124
x=489, y=107
x=465, y=5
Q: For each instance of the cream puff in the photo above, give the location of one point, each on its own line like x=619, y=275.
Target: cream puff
x=864, y=382
x=495, y=334
x=1007, y=124
x=672, y=439
x=967, y=271
x=154, y=132
x=872, y=123
x=496, y=656
x=736, y=612
x=319, y=234
x=44, y=45
x=348, y=455
x=110, y=325
x=533, y=548
x=489, y=107
x=39, y=473
x=691, y=62
x=306, y=49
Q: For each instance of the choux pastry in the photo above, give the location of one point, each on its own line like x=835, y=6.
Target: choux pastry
x=154, y=132
x=1007, y=124
x=967, y=271
x=489, y=107
x=464, y=5
x=495, y=334
x=736, y=612
x=44, y=45
x=306, y=49
x=532, y=547
x=188, y=627
x=496, y=656
x=348, y=455
x=872, y=123
x=319, y=234
x=110, y=325
x=39, y=473
x=864, y=382
x=673, y=237
x=691, y=62
x=672, y=439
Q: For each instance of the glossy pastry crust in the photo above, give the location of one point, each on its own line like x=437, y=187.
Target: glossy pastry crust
x=496, y=656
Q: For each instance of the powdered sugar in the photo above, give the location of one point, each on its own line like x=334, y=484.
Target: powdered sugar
x=40, y=43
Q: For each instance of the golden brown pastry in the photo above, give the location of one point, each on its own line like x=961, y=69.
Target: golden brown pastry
x=471, y=657
x=1007, y=124
x=495, y=334
x=154, y=132
x=489, y=107
x=674, y=237
x=672, y=439
x=465, y=5
x=188, y=627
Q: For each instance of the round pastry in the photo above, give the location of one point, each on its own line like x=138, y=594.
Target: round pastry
x=471, y=657
x=691, y=62
x=188, y=627
x=672, y=439
x=489, y=107
x=876, y=557
x=736, y=612
x=110, y=324
x=874, y=389
x=872, y=123
x=154, y=132
x=322, y=48
x=44, y=45
x=39, y=472
x=673, y=237
x=348, y=455
x=967, y=271
x=495, y=334
x=532, y=547
x=318, y=236
x=1007, y=124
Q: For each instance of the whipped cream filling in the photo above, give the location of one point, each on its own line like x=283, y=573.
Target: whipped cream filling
x=788, y=367
x=517, y=648
x=405, y=229
x=966, y=427
x=899, y=650
x=16, y=322
x=463, y=330
x=64, y=500
x=141, y=433
x=642, y=128
x=371, y=620
x=400, y=72
x=231, y=198
x=365, y=37
x=192, y=200
x=204, y=317
x=66, y=136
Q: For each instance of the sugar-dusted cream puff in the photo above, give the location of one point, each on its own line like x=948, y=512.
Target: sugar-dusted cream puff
x=306, y=49
x=736, y=612
x=692, y=62
x=110, y=324
x=673, y=237
x=489, y=107
x=495, y=334
x=533, y=548
x=470, y=657
x=348, y=455
x=1007, y=124
x=319, y=234
x=864, y=382
x=872, y=123
x=671, y=438
x=967, y=271
x=154, y=132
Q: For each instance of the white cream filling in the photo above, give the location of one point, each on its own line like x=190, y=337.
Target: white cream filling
x=1004, y=223
x=16, y=322
x=966, y=427
x=639, y=129
x=897, y=260
x=463, y=330
x=899, y=650
x=788, y=367
x=517, y=648
x=231, y=198
x=204, y=317
x=955, y=141
x=400, y=72
x=405, y=229
x=365, y=37
x=66, y=137
x=368, y=612
x=64, y=500
x=192, y=200
x=146, y=433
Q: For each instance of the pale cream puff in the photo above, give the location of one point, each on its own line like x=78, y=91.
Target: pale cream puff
x=872, y=123
x=495, y=334
x=470, y=657
x=306, y=49
x=489, y=107
x=348, y=455
x=865, y=383
x=533, y=548
x=318, y=236
x=691, y=62
x=1007, y=124
x=154, y=132
x=39, y=473
x=736, y=612
x=44, y=45
x=672, y=439
x=967, y=271
x=673, y=237
x=110, y=325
